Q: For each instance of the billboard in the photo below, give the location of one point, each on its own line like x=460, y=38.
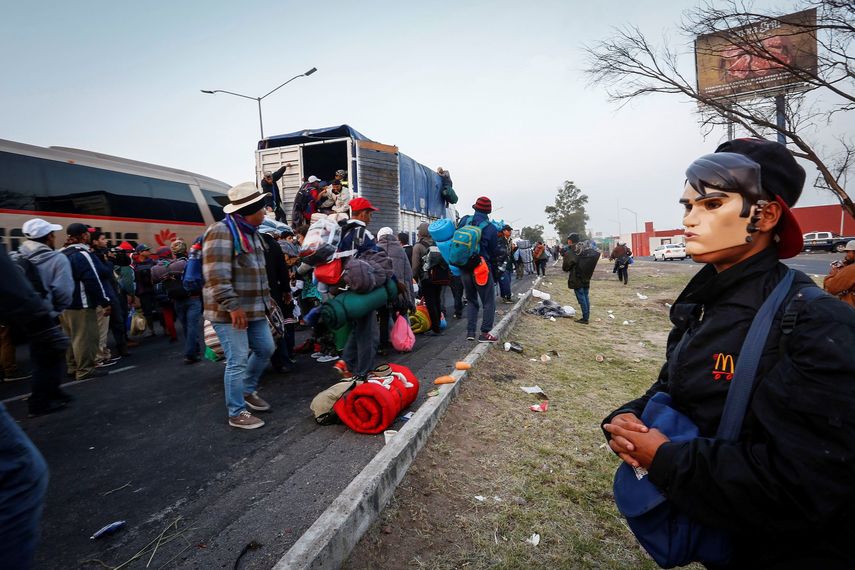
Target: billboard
x=757, y=57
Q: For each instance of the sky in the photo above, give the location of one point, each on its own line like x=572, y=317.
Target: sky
x=495, y=92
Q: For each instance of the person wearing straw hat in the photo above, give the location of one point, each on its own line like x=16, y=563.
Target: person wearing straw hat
x=236, y=296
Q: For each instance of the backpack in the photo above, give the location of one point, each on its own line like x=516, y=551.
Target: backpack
x=434, y=267
x=466, y=245
x=193, y=279
x=31, y=272
x=173, y=286
x=302, y=203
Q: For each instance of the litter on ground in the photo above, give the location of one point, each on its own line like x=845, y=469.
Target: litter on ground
x=626, y=322
x=541, y=407
x=462, y=365
x=532, y=389
x=480, y=498
x=432, y=393
x=600, y=358
x=642, y=297
x=444, y=380
x=533, y=540
x=516, y=347
x=545, y=358
x=548, y=309
x=611, y=316
x=540, y=295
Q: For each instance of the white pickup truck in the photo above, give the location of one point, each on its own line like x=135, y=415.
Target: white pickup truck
x=825, y=241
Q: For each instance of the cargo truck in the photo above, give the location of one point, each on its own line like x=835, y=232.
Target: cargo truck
x=407, y=193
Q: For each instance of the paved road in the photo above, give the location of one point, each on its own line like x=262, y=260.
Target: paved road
x=810, y=263
x=149, y=443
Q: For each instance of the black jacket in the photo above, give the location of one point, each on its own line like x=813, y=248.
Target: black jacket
x=272, y=188
x=786, y=489
x=277, y=270
x=580, y=263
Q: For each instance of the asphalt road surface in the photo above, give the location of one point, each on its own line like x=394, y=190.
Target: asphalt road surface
x=810, y=263
x=149, y=443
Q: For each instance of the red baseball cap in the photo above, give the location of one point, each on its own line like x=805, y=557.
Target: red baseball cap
x=359, y=204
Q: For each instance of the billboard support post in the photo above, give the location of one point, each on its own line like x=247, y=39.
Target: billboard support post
x=780, y=117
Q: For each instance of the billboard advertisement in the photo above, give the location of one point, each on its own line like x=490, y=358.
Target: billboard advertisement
x=758, y=57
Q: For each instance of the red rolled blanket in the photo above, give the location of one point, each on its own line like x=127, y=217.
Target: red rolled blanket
x=372, y=406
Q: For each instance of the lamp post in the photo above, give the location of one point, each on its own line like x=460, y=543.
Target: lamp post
x=258, y=99
x=636, y=217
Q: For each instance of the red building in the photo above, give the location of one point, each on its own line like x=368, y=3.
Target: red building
x=645, y=242
x=825, y=219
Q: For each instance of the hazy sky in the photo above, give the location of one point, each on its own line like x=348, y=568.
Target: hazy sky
x=492, y=91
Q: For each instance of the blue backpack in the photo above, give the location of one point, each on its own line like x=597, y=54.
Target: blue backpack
x=466, y=244
x=193, y=280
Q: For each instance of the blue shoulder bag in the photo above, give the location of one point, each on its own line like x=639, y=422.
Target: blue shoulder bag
x=669, y=536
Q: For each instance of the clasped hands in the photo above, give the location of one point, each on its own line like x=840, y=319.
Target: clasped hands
x=633, y=441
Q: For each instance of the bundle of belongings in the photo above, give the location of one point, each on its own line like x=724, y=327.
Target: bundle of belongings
x=548, y=308
x=368, y=406
x=524, y=255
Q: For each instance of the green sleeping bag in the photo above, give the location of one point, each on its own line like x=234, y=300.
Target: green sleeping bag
x=341, y=334
x=350, y=306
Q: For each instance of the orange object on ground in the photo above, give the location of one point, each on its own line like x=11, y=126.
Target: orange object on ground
x=445, y=380
x=462, y=365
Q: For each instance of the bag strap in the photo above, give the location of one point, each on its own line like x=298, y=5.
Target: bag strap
x=749, y=358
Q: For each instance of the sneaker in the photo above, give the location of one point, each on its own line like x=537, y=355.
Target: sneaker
x=93, y=374
x=105, y=363
x=341, y=367
x=328, y=357
x=36, y=411
x=507, y=300
x=191, y=359
x=470, y=336
x=16, y=375
x=245, y=420
x=582, y=321
x=487, y=337
x=255, y=402
x=317, y=355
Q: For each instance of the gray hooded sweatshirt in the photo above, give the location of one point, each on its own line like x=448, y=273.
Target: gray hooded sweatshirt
x=55, y=271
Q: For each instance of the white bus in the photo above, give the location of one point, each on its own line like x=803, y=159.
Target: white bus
x=129, y=200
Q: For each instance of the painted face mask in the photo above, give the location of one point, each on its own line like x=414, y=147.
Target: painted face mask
x=722, y=200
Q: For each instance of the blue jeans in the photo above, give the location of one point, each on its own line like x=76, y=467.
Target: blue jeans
x=505, y=284
x=487, y=295
x=244, y=368
x=584, y=303
x=189, y=312
x=25, y=479
x=361, y=346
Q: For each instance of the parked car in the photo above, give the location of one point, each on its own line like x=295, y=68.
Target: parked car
x=670, y=251
x=825, y=241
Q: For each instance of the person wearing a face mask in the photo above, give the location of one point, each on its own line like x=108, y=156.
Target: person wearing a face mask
x=782, y=489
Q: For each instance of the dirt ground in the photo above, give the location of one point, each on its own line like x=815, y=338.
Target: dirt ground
x=495, y=473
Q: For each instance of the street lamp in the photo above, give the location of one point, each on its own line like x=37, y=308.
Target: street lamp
x=636, y=217
x=258, y=99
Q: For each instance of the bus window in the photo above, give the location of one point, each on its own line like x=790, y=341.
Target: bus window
x=178, y=198
x=21, y=182
x=216, y=207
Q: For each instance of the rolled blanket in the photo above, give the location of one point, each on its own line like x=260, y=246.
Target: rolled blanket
x=349, y=306
x=372, y=406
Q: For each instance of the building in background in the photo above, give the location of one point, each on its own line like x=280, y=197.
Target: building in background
x=829, y=218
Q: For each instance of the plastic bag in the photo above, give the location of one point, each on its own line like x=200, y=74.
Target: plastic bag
x=138, y=324
x=321, y=239
x=402, y=336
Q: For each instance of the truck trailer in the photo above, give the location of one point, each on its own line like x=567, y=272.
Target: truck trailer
x=405, y=192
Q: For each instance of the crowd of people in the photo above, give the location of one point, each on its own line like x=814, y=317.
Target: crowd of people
x=263, y=278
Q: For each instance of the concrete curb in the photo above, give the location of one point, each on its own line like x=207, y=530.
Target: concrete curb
x=327, y=543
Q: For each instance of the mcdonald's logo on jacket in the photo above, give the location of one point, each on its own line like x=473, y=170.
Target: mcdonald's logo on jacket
x=723, y=366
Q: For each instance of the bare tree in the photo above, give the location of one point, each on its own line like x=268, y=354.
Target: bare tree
x=629, y=66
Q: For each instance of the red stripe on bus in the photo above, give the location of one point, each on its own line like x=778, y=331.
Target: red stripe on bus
x=96, y=217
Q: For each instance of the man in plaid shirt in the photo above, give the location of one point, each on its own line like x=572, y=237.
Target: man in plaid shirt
x=236, y=298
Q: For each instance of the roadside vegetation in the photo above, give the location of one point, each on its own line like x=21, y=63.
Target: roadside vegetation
x=495, y=473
